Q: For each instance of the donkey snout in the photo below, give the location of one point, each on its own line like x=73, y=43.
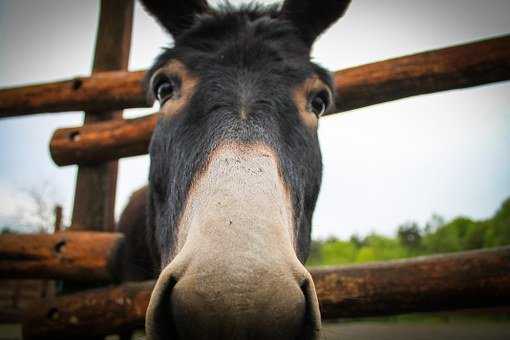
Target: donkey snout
x=252, y=303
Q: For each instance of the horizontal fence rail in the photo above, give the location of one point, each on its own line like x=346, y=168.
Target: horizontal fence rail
x=470, y=279
x=100, y=92
x=445, y=69
x=449, y=68
x=93, y=143
x=74, y=256
x=456, y=67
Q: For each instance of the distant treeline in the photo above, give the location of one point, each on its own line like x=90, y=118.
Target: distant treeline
x=437, y=236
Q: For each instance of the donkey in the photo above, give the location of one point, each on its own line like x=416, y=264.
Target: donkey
x=235, y=171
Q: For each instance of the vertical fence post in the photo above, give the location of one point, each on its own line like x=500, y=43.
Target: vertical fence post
x=94, y=200
x=58, y=219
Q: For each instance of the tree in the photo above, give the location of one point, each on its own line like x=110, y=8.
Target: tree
x=438, y=236
x=357, y=241
x=33, y=210
x=315, y=257
x=498, y=227
x=435, y=222
x=449, y=237
x=476, y=235
x=409, y=235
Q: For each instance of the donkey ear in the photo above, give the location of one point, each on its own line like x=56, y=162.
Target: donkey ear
x=313, y=17
x=175, y=15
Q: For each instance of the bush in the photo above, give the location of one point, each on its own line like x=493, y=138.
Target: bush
x=437, y=236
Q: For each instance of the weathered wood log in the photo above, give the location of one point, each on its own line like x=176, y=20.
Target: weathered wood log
x=90, y=313
x=74, y=256
x=99, y=142
x=471, y=279
x=101, y=91
x=464, y=280
x=445, y=69
x=456, y=67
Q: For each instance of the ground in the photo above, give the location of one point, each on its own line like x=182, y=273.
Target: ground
x=397, y=331
x=379, y=331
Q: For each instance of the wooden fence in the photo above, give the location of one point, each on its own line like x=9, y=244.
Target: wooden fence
x=473, y=279
x=470, y=279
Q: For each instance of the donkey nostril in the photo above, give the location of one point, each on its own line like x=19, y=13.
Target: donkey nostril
x=312, y=319
x=159, y=323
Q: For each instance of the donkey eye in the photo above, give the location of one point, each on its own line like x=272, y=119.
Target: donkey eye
x=319, y=103
x=164, y=90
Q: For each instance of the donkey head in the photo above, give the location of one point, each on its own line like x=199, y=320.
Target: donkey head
x=236, y=169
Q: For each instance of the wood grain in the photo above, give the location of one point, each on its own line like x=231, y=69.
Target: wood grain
x=75, y=256
x=449, y=68
x=99, y=142
x=469, y=279
x=101, y=91
x=89, y=314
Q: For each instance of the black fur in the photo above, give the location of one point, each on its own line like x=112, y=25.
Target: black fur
x=248, y=59
x=177, y=15
x=313, y=17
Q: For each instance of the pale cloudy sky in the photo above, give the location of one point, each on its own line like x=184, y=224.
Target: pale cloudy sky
x=445, y=153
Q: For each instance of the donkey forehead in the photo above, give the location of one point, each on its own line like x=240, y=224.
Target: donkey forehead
x=240, y=40
x=239, y=28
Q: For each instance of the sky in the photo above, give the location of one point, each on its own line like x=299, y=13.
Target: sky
x=446, y=153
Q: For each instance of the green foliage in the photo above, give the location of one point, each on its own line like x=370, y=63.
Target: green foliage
x=7, y=231
x=476, y=235
x=437, y=236
x=498, y=230
x=409, y=235
x=332, y=252
x=449, y=237
x=380, y=248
